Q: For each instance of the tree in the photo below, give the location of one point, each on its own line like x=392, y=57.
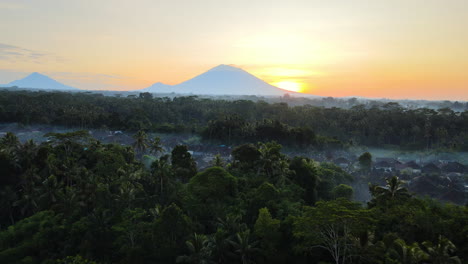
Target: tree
x=392, y=191
x=131, y=232
x=141, y=142
x=343, y=191
x=267, y=229
x=145, y=95
x=182, y=162
x=441, y=253
x=244, y=247
x=200, y=248
x=333, y=226
x=171, y=231
x=161, y=169
x=304, y=173
x=9, y=142
x=75, y=260
x=214, y=184
x=155, y=145
x=245, y=156
x=409, y=254
x=210, y=193
x=365, y=161
x=218, y=161
x=31, y=238
x=272, y=162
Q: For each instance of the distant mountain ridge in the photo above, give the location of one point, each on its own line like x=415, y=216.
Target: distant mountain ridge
x=159, y=87
x=221, y=80
x=39, y=81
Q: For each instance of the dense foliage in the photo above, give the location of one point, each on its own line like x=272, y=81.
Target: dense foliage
x=73, y=199
x=241, y=121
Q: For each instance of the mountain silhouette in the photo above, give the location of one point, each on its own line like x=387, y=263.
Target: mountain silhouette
x=39, y=81
x=221, y=80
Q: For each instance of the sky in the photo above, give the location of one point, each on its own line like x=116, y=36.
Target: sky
x=401, y=49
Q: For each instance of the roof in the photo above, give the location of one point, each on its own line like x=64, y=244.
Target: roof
x=430, y=167
x=341, y=160
x=383, y=164
x=389, y=160
x=412, y=164
x=454, y=167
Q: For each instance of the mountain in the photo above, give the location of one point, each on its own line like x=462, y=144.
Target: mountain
x=222, y=80
x=39, y=81
x=159, y=87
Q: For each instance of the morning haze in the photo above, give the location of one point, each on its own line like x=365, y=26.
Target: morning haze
x=403, y=49
x=246, y=131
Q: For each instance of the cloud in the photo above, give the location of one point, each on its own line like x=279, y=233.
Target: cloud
x=12, y=53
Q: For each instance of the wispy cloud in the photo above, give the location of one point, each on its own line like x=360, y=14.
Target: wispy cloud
x=14, y=54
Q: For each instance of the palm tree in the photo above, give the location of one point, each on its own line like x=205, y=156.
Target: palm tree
x=27, y=204
x=140, y=143
x=218, y=161
x=410, y=254
x=9, y=141
x=200, y=248
x=393, y=190
x=231, y=224
x=7, y=197
x=161, y=169
x=28, y=152
x=244, y=247
x=49, y=190
x=441, y=252
x=155, y=145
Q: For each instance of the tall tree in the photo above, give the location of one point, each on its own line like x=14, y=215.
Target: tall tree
x=333, y=226
x=365, y=162
x=141, y=142
x=200, y=248
x=182, y=162
x=244, y=247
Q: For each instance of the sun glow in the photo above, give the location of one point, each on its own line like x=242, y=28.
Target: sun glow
x=290, y=86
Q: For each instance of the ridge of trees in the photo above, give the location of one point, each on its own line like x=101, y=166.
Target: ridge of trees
x=243, y=120
x=76, y=200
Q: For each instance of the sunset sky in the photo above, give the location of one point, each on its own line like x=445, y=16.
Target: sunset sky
x=369, y=48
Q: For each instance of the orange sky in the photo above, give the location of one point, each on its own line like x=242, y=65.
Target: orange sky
x=369, y=48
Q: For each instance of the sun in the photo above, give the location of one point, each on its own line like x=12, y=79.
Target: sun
x=289, y=85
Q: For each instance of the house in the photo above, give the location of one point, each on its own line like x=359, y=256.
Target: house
x=390, y=161
x=384, y=165
x=415, y=168
x=430, y=168
x=342, y=162
x=454, y=167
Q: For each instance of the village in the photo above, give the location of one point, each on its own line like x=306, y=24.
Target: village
x=440, y=176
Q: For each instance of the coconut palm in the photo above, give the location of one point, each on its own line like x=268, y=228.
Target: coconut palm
x=49, y=191
x=9, y=141
x=141, y=141
x=393, y=190
x=155, y=145
x=218, y=161
x=244, y=247
x=409, y=254
x=161, y=169
x=200, y=250
x=7, y=197
x=441, y=252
